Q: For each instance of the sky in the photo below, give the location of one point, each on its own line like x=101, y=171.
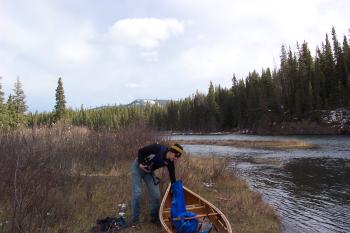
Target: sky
x=111, y=52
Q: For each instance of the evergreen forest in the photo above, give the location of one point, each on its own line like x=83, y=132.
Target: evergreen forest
x=301, y=87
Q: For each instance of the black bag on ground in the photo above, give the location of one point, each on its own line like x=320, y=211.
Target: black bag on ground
x=109, y=225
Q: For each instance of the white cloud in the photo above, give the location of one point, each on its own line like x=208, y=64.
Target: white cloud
x=207, y=62
x=146, y=33
x=16, y=36
x=139, y=52
x=74, y=51
x=151, y=56
x=133, y=85
x=48, y=35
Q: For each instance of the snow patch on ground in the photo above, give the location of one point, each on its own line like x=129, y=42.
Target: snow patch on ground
x=338, y=118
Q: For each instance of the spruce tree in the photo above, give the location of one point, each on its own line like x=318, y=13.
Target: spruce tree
x=17, y=105
x=212, y=108
x=11, y=110
x=346, y=80
x=341, y=71
x=328, y=68
x=19, y=98
x=284, y=87
x=306, y=73
x=172, y=115
x=293, y=101
x=1, y=97
x=268, y=100
x=60, y=107
x=346, y=49
x=4, y=117
x=318, y=83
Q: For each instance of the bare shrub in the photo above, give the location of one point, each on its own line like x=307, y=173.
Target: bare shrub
x=26, y=181
x=133, y=138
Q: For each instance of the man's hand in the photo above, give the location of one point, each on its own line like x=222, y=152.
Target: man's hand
x=144, y=168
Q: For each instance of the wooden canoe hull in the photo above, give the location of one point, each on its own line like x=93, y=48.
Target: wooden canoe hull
x=198, y=205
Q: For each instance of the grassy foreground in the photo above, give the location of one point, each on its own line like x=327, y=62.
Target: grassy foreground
x=208, y=177
x=64, y=179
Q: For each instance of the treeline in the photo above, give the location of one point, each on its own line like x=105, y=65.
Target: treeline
x=302, y=86
x=298, y=89
x=109, y=118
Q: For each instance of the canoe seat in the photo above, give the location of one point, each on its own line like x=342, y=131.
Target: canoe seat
x=188, y=208
x=197, y=216
x=195, y=207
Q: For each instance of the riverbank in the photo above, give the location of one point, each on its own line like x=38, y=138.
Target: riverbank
x=274, y=144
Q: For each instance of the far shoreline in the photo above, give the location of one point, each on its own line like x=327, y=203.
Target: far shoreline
x=253, y=133
x=257, y=144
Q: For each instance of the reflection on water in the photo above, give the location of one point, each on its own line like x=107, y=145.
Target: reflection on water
x=309, y=188
x=311, y=195
x=329, y=177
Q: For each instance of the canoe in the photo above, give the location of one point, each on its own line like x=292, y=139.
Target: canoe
x=198, y=205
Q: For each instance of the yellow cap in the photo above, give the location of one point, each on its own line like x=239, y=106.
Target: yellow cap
x=177, y=148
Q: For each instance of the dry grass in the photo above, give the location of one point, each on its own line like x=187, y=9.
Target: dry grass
x=44, y=176
x=64, y=179
x=290, y=144
x=246, y=210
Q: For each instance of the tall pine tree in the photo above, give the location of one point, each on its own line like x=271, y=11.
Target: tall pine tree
x=346, y=78
x=1, y=97
x=306, y=72
x=341, y=71
x=19, y=105
x=328, y=68
x=19, y=98
x=60, y=107
x=4, y=117
x=283, y=88
x=11, y=111
x=212, y=108
x=318, y=83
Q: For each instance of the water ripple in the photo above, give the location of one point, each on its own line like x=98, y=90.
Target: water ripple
x=310, y=189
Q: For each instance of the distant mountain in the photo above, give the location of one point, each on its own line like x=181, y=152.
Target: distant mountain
x=144, y=102
x=137, y=102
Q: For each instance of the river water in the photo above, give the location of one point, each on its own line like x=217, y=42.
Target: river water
x=310, y=189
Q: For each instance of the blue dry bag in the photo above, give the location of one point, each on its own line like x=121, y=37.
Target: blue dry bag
x=178, y=210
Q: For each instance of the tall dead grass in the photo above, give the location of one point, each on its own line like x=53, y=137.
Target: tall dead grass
x=43, y=173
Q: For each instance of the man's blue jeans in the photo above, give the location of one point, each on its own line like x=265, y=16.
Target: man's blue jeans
x=137, y=175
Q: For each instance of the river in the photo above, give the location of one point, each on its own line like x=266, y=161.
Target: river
x=310, y=188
